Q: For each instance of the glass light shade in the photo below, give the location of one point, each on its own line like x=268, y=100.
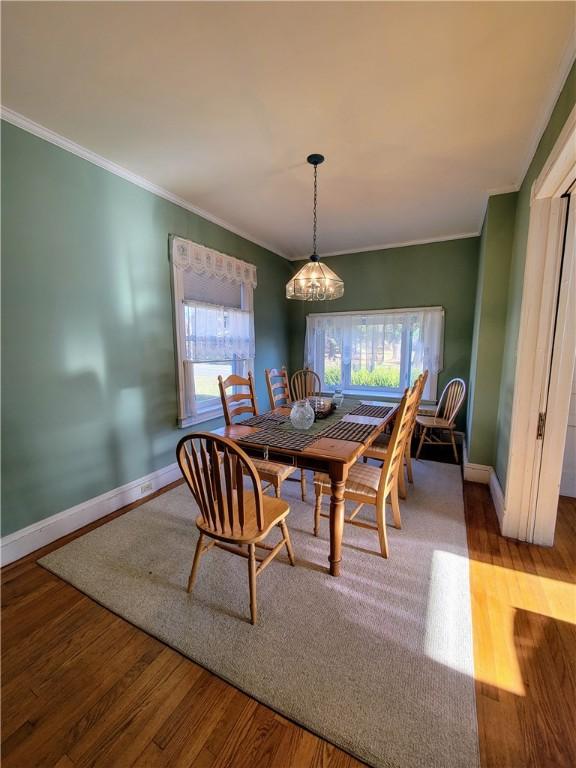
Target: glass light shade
x=315, y=282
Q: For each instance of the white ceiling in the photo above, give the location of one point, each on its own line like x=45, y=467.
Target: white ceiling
x=420, y=108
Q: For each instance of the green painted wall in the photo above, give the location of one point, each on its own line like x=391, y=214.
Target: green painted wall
x=88, y=385
x=564, y=106
x=489, y=327
x=412, y=276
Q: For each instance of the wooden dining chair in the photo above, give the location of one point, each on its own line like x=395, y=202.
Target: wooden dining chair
x=235, y=518
x=444, y=419
x=242, y=399
x=371, y=485
x=278, y=387
x=379, y=447
x=305, y=383
x=279, y=395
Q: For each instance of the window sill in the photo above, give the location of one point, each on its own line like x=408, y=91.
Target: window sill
x=201, y=418
x=368, y=394
x=380, y=394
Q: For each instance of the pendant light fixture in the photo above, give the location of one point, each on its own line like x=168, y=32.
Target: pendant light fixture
x=315, y=281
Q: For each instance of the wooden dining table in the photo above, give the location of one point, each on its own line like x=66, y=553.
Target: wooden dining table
x=325, y=454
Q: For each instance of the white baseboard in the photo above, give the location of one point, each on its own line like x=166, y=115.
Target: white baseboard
x=497, y=497
x=33, y=537
x=477, y=473
x=474, y=473
x=483, y=473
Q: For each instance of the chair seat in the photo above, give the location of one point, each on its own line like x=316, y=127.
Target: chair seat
x=381, y=441
x=433, y=421
x=362, y=479
x=376, y=451
x=274, y=510
x=272, y=469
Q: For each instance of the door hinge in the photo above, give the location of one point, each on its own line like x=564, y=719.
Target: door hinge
x=541, y=426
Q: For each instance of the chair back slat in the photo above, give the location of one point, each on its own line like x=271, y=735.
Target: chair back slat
x=305, y=383
x=195, y=488
x=214, y=469
x=240, y=496
x=278, y=386
x=235, y=403
x=208, y=485
x=421, y=381
x=451, y=400
x=394, y=461
x=228, y=476
x=217, y=486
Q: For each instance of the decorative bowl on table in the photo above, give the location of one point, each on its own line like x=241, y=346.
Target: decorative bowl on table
x=322, y=406
x=302, y=414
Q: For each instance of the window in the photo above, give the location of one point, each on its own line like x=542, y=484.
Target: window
x=376, y=352
x=214, y=325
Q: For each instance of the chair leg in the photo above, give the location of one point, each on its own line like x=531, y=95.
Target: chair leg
x=409, y=464
x=196, y=562
x=401, y=481
x=317, y=509
x=303, y=484
x=423, y=435
x=381, y=523
x=395, y=506
x=454, y=447
x=287, y=542
x=252, y=581
x=277, y=485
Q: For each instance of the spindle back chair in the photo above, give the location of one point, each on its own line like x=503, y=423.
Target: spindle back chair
x=305, y=383
x=236, y=518
x=451, y=400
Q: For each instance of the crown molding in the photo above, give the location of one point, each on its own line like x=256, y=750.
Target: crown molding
x=505, y=190
x=562, y=73
x=20, y=121
x=387, y=246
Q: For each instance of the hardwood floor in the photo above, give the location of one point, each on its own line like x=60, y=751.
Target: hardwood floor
x=82, y=687
x=524, y=613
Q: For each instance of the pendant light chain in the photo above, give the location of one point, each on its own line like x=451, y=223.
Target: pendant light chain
x=314, y=281
x=315, y=209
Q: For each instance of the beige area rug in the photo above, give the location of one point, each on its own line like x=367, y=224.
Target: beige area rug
x=378, y=661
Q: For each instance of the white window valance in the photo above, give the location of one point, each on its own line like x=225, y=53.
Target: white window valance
x=200, y=260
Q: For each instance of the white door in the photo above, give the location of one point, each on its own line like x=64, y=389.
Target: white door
x=568, y=481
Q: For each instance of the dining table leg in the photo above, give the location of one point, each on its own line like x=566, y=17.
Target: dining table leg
x=338, y=474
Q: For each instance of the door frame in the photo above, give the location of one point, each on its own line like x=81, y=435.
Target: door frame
x=545, y=351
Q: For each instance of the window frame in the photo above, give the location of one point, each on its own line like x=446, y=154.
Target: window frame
x=346, y=369
x=212, y=408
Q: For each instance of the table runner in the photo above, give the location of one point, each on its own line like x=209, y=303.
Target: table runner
x=283, y=434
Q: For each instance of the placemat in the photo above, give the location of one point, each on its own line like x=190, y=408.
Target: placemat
x=378, y=411
x=263, y=419
x=279, y=438
x=349, y=430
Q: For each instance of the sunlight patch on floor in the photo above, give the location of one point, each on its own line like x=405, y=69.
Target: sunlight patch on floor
x=497, y=594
